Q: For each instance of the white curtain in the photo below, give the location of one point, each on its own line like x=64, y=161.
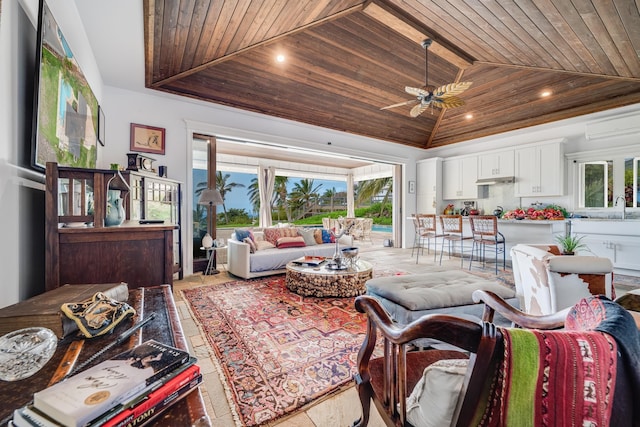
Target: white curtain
x=266, y=182
x=351, y=211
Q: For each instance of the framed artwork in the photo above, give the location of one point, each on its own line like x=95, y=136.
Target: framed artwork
x=101, y=126
x=147, y=139
x=65, y=125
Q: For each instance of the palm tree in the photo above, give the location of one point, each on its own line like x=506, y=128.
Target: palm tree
x=303, y=194
x=199, y=220
x=280, y=194
x=225, y=187
x=371, y=188
x=330, y=194
x=253, y=192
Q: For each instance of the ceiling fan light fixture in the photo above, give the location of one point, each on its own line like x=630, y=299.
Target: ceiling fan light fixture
x=430, y=96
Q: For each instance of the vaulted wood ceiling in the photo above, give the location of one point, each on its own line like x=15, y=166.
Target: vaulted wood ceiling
x=345, y=59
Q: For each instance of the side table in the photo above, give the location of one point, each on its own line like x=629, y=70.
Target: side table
x=211, y=264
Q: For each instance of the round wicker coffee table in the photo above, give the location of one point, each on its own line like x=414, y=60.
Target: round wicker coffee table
x=323, y=282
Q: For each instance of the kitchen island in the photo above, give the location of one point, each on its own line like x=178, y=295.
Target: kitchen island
x=529, y=231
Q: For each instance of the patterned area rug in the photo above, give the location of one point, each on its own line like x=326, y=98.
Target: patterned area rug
x=277, y=350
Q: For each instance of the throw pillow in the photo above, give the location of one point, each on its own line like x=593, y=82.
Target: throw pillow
x=251, y=243
x=289, y=232
x=318, y=235
x=263, y=244
x=307, y=235
x=272, y=234
x=290, y=242
x=327, y=237
x=243, y=234
x=434, y=398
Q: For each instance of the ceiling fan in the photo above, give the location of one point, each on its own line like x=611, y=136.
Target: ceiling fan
x=428, y=96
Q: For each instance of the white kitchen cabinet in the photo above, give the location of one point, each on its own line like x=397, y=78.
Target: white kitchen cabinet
x=496, y=165
x=459, y=175
x=539, y=170
x=428, y=185
x=617, y=240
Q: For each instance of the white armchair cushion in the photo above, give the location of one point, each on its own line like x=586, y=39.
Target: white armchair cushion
x=580, y=264
x=434, y=398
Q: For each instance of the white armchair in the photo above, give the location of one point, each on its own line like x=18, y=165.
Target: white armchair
x=547, y=282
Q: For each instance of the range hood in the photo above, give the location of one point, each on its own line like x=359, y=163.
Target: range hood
x=496, y=180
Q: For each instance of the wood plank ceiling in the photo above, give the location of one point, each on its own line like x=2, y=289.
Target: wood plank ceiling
x=345, y=59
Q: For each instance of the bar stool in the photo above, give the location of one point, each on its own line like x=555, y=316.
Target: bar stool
x=485, y=233
x=427, y=230
x=416, y=234
x=452, y=230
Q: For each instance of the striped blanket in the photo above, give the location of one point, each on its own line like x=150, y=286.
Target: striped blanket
x=564, y=378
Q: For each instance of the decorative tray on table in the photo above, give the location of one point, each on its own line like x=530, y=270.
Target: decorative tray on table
x=310, y=261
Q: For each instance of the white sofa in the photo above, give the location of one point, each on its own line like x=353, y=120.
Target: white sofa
x=547, y=282
x=242, y=263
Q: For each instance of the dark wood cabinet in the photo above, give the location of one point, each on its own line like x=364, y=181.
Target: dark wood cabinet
x=154, y=198
x=80, y=249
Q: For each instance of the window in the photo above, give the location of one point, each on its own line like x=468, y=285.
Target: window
x=631, y=182
x=596, y=184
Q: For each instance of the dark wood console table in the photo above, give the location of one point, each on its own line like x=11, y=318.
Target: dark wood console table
x=165, y=327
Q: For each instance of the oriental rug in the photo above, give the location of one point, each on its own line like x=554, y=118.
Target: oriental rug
x=277, y=350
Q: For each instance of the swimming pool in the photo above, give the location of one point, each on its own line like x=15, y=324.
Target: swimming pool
x=382, y=228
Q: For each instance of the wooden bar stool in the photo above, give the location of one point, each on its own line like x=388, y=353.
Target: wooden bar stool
x=452, y=233
x=427, y=230
x=484, y=230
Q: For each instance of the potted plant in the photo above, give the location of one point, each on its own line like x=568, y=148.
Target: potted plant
x=570, y=243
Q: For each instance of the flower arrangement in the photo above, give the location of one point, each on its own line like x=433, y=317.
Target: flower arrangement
x=549, y=213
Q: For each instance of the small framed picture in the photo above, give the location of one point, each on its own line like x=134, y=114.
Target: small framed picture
x=412, y=187
x=147, y=139
x=101, y=126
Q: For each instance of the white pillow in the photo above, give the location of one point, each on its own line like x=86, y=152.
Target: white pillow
x=434, y=398
x=308, y=235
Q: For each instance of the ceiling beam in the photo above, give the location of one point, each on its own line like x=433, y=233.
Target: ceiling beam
x=391, y=18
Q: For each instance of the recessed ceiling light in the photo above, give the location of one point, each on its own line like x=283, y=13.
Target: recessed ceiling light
x=545, y=93
x=280, y=58
x=469, y=116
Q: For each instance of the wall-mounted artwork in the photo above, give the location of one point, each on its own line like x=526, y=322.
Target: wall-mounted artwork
x=147, y=139
x=65, y=128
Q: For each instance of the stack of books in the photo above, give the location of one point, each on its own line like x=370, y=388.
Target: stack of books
x=129, y=389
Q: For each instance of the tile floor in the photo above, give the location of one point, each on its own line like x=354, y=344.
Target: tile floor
x=338, y=409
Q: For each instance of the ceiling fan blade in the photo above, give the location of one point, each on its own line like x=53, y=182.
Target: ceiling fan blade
x=451, y=89
x=416, y=91
x=450, y=102
x=418, y=109
x=400, y=104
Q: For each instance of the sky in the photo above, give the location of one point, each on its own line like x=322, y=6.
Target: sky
x=238, y=198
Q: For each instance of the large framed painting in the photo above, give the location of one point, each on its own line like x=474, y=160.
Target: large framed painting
x=65, y=126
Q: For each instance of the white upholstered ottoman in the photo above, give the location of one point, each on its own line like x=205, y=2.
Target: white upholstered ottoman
x=409, y=297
